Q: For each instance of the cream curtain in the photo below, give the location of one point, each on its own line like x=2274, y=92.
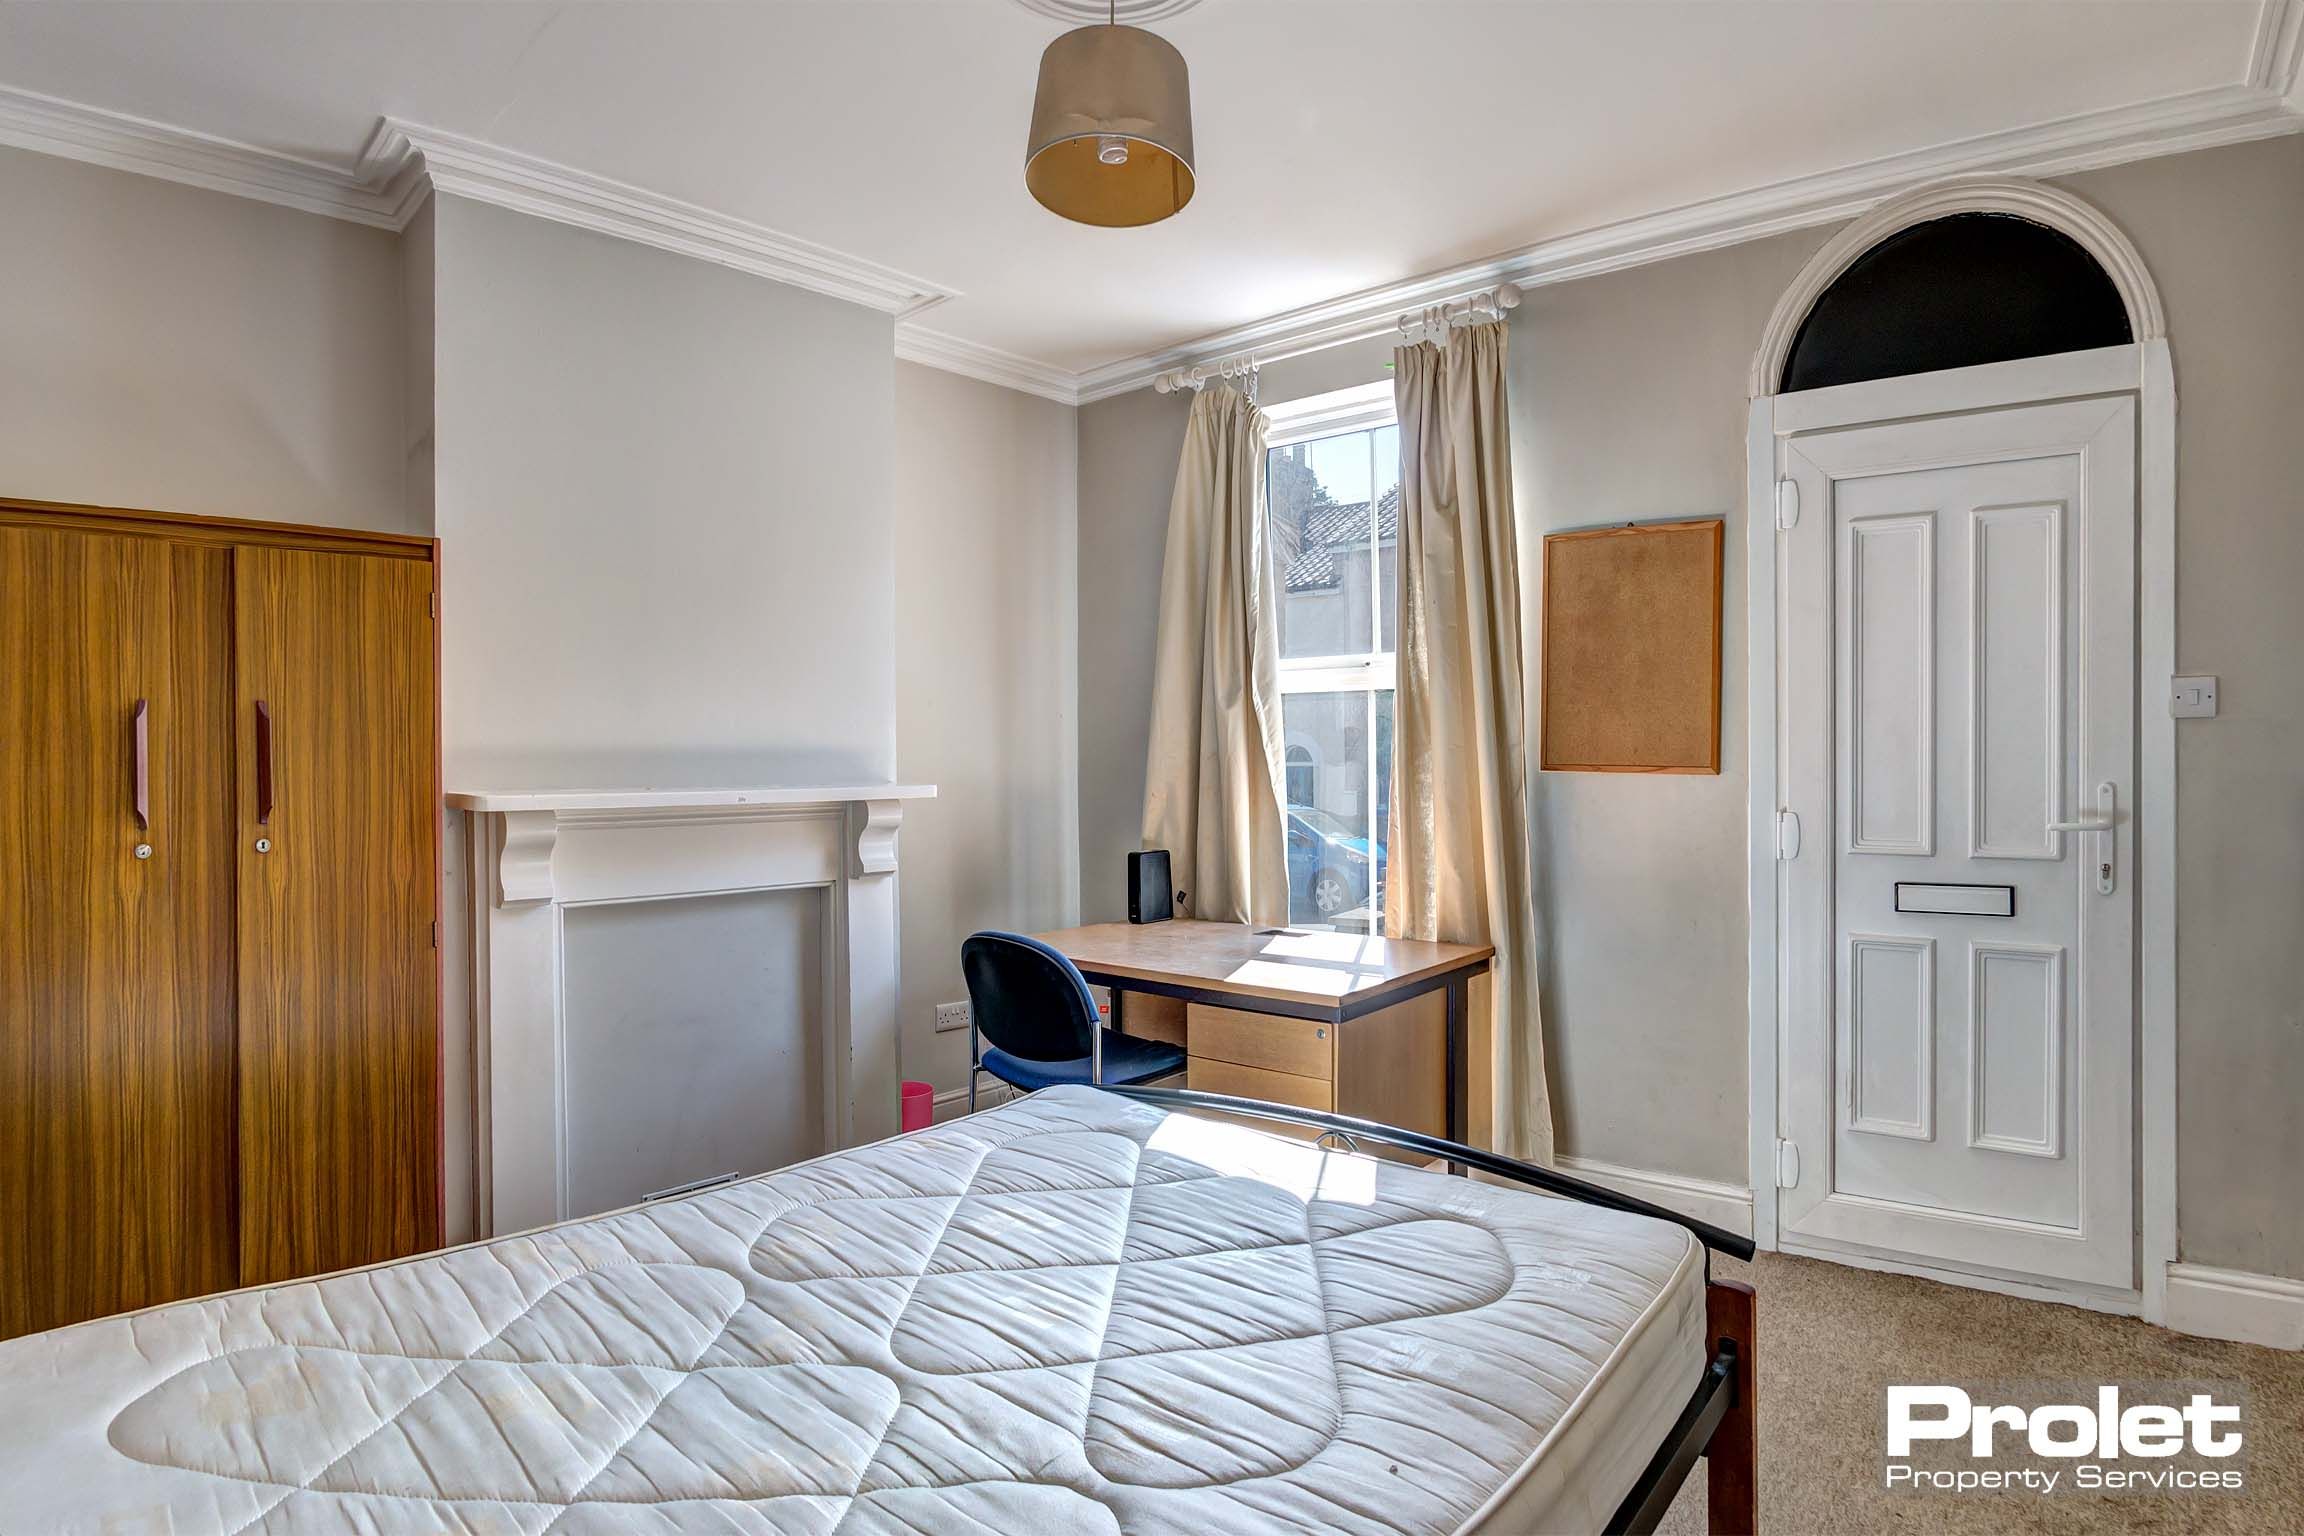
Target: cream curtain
x=1460, y=863
x=1212, y=778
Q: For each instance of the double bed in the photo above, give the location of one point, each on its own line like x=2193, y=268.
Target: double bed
x=1083, y=1311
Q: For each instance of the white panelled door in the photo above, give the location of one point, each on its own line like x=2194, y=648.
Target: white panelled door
x=1959, y=715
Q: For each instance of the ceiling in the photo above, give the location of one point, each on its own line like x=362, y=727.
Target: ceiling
x=1343, y=144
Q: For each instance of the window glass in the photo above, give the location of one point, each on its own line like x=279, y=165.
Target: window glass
x=1318, y=499
x=1332, y=858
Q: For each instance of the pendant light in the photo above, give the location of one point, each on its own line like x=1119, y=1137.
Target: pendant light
x=1111, y=127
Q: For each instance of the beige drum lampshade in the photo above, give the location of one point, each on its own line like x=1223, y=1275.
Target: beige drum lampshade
x=1111, y=128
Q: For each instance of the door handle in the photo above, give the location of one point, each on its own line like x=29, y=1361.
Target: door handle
x=2107, y=821
x=263, y=763
x=143, y=789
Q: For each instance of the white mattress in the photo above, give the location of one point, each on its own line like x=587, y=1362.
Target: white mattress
x=1069, y=1314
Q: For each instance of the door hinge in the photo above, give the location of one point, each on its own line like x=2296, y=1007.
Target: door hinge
x=435, y=933
x=1787, y=1164
x=432, y=604
x=1787, y=835
x=1787, y=503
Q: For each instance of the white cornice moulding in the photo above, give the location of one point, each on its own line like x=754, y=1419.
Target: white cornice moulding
x=51, y=126
x=2276, y=60
x=934, y=349
x=404, y=161
x=2233, y=114
x=487, y=173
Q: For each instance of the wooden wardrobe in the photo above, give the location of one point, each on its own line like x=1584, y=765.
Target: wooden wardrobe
x=219, y=989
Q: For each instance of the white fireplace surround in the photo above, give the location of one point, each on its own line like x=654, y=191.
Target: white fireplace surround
x=533, y=855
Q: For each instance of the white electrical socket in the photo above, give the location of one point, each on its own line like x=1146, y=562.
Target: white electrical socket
x=951, y=1016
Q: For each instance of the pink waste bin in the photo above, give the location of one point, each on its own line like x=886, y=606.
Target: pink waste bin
x=918, y=1106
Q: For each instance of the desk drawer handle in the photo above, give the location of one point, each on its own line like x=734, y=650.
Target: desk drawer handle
x=1320, y=1034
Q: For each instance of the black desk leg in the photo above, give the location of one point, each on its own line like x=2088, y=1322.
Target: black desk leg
x=1118, y=1025
x=1459, y=1054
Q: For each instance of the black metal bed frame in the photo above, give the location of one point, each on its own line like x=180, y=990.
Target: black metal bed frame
x=1723, y=1380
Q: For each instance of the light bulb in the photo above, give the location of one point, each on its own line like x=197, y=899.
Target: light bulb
x=1111, y=150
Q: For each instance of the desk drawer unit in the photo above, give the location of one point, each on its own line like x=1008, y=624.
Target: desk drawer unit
x=1299, y=1047
x=1208, y=1075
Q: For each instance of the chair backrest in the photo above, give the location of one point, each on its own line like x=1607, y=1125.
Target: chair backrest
x=1027, y=999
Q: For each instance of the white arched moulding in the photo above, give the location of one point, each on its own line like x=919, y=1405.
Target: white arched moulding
x=2036, y=201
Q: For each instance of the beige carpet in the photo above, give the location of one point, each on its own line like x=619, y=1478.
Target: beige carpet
x=1832, y=1339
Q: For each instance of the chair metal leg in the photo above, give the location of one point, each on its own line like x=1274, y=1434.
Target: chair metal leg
x=972, y=1070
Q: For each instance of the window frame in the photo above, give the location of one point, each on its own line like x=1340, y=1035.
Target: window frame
x=1362, y=408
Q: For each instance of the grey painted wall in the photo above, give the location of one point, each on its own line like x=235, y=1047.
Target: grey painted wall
x=419, y=327
x=178, y=350
x=1331, y=368
x=987, y=481
x=2223, y=233
x=665, y=495
x=1628, y=402
x=1128, y=450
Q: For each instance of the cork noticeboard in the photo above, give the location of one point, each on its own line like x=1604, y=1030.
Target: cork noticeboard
x=1631, y=679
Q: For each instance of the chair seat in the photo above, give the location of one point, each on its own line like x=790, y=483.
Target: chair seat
x=1127, y=1059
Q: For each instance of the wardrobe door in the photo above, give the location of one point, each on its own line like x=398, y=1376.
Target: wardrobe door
x=339, y=1050
x=116, y=990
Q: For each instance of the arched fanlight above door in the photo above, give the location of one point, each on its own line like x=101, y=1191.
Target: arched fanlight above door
x=2049, y=273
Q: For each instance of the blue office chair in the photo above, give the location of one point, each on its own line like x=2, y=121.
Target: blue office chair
x=1036, y=1009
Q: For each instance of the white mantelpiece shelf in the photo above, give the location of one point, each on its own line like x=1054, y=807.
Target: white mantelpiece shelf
x=530, y=821
x=647, y=799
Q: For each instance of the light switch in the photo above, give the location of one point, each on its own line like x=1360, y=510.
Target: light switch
x=2192, y=698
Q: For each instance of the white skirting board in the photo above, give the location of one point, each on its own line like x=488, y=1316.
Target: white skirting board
x=952, y=1103
x=2234, y=1304
x=1723, y=1205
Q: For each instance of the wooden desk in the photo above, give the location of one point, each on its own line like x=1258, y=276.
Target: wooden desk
x=1374, y=1027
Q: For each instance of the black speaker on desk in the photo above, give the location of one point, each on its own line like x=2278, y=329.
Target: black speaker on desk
x=1149, y=898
